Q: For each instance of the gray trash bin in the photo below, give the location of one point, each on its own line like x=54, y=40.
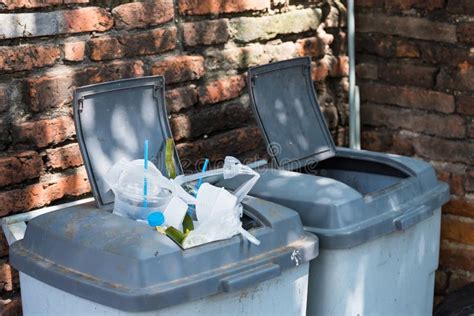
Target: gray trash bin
x=377, y=215
x=84, y=260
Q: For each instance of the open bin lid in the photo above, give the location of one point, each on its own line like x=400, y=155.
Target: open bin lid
x=112, y=121
x=287, y=111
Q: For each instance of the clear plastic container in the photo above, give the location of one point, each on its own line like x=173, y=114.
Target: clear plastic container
x=129, y=195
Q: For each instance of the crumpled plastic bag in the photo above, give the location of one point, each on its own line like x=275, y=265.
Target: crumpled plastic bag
x=218, y=211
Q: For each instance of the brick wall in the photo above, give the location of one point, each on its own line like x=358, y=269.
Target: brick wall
x=415, y=69
x=203, y=47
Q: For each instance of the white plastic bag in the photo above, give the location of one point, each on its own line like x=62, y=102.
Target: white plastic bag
x=218, y=211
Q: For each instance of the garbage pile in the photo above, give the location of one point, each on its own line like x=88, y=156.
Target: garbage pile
x=190, y=214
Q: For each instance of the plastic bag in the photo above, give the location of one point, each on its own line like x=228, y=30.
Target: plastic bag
x=219, y=211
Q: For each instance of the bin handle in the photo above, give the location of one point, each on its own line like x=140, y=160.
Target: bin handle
x=412, y=216
x=250, y=277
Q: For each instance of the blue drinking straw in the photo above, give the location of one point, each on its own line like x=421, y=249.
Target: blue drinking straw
x=204, y=168
x=145, y=165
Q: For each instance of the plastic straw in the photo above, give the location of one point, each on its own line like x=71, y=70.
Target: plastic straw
x=145, y=166
x=203, y=170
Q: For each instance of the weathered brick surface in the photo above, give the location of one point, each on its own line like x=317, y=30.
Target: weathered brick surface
x=20, y=167
x=465, y=104
x=4, y=99
x=180, y=68
x=444, y=150
x=452, y=126
x=206, y=32
x=13, y=25
x=456, y=79
x=198, y=7
x=41, y=194
x=74, y=51
x=143, y=14
x=411, y=27
x=181, y=98
x=30, y=4
x=461, y=7
x=210, y=120
x=406, y=74
x=407, y=97
x=248, y=29
x=55, y=89
x=64, y=157
x=129, y=45
x=27, y=57
x=45, y=132
x=234, y=142
x=221, y=90
x=458, y=229
x=457, y=256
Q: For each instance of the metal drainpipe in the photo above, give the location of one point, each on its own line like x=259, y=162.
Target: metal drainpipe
x=354, y=100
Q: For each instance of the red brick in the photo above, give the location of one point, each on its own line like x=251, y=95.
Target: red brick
x=437, y=53
x=181, y=98
x=321, y=69
x=64, y=157
x=198, y=7
x=3, y=246
x=411, y=27
x=459, y=279
x=465, y=104
x=30, y=4
x=466, y=32
x=458, y=229
x=45, y=132
x=470, y=128
x=129, y=45
x=74, y=51
x=9, y=278
x=206, y=32
x=4, y=98
x=444, y=150
x=54, y=89
x=4, y=134
x=461, y=6
x=460, y=206
x=367, y=71
x=11, y=307
x=456, y=79
x=441, y=281
x=231, y=143
x=469, y=183
x=41, y=194
x=457, y=256
x=404, y=49
x=418, y=4
x=27, y=57
x=457, y=184
x=406, y=74
x=87, y=20
x=451, y=126
x=179, y=68
x=407, y=97
x=376, y=44
x=312, y=46
x=143, y=14
x=222, y=89
x=20, y=167
x=368, y=3
x=210, y=120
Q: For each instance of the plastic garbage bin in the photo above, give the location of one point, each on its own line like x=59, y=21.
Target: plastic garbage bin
x=377, y=215
x=84, y=260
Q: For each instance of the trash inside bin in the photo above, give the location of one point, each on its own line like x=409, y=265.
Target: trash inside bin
x=85, y=260
x=377, y=215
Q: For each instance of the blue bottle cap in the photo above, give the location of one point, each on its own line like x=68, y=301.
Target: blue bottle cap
x=156, y=219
